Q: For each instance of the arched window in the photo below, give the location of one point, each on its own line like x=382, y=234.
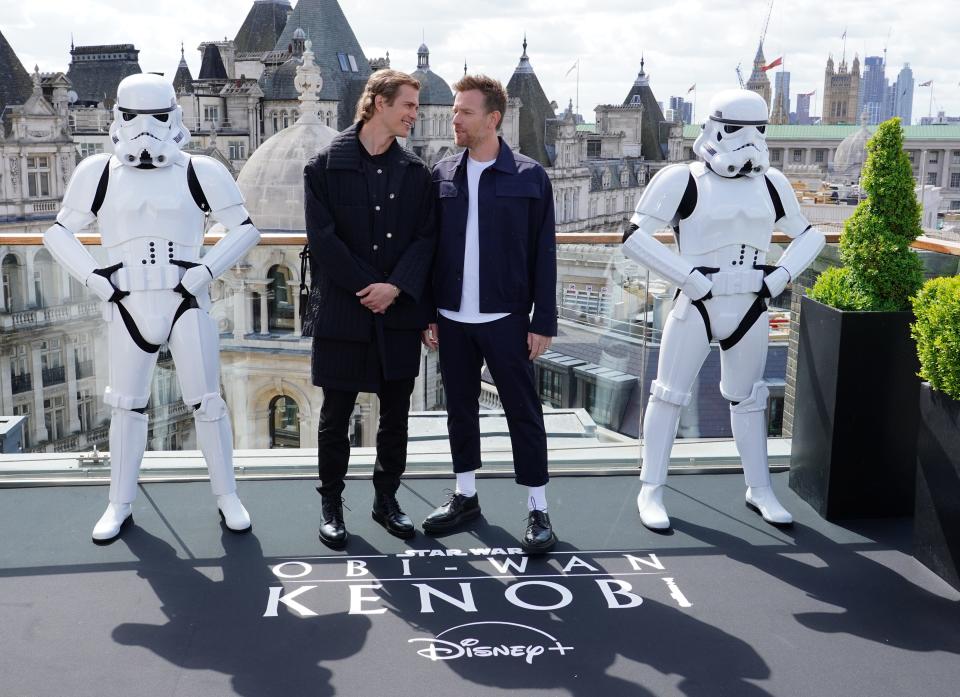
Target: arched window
x=286, y=118
x=276, y=123
x=284, y=422
x=12, y=276
x=606, y=179
x=255, y=314
x=46, y=279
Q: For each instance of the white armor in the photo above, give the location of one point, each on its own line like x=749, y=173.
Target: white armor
x=150, y=200
x=723, y=222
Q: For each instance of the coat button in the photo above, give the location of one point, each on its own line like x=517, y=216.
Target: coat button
x=374, y=247
x=376, y=208
x=393, y=195
x=379, y=171
x=389, y=235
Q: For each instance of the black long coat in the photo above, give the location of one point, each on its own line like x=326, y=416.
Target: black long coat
x=355, y=241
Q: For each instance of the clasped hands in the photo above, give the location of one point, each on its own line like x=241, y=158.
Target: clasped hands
x=377, y=297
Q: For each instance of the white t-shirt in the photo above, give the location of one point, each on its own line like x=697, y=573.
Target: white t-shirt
x=470, y=299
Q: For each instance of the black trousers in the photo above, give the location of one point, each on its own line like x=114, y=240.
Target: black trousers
x=333, y=443
x=503, y=345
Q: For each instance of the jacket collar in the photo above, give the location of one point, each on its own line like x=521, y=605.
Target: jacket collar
x=345, y=152
x=505, y=161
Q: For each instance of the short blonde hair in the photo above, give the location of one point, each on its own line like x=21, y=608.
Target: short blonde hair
x=385, y=83
x=494, y=95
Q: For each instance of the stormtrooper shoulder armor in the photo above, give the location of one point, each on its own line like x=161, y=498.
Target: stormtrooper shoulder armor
x=217, y=186
x=88, y=184
x=667, y=197
x=790, y=219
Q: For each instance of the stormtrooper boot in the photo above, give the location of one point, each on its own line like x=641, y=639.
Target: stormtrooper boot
x=659, y=432
x=215, y=438
x=750, y=434
x=128, y=441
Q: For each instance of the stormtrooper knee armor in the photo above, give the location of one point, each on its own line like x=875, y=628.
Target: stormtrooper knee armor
x=723, y=211
x=150, y=200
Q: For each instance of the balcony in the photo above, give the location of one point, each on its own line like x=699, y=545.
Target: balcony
x=767, y=602
x=54, y=376
x=21, y=383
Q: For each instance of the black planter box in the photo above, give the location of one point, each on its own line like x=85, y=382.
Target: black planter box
x=936, y=524
x=855, y=412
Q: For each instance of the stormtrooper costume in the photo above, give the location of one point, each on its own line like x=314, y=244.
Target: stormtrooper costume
x=723, y=211
x=150, y=200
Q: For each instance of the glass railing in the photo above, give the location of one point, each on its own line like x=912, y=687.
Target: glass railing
x=594, y=380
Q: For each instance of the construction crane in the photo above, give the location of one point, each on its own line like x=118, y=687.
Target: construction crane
x=740, y=76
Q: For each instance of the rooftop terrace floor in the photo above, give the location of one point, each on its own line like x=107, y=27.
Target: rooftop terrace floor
x=730, y=606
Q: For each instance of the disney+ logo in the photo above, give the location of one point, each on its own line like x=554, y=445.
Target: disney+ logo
x=439, y=649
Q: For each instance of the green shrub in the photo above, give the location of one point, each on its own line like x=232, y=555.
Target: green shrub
x=937, y=333
x=881, y=272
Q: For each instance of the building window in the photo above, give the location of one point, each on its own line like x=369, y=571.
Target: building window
x=606, y=179
x=797, y=154
x=912, y=156
x=279, y=300
x=775, y=155
x=819, y=156
x=955, y=157
x=955, y=180
x=284, y=423
x=88, y=149
x=55, y=416
x=551, y=388
x=934, y=157
x=24, y=411
x=87, y=409
x=238, y=150
x=211, y=113
x=593, y=148
x=931, y=178
x=12, y=280
x=276, y=123
x=51, y=361
x=286, y=119
x=955, y=205
x=38, y=176
x=344, y=63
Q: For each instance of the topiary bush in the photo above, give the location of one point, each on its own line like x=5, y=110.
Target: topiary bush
x=880, y=271
x=937, y=333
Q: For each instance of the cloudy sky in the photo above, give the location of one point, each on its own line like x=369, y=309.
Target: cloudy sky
x=684, y=42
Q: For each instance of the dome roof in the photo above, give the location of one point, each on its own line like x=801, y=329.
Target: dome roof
x=433, y=88
x=272, y=179
x=852, y=151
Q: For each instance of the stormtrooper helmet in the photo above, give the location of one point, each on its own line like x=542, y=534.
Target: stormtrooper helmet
x=147, y=129
x=733, y=141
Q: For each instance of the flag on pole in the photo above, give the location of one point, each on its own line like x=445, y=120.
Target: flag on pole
x=572, y=67
x=772, y=64
x=692, y=88
x=927, y=83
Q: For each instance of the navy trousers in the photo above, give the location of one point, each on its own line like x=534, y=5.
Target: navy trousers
x=503, y=345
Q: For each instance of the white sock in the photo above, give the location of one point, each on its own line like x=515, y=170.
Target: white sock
x=537, y=498
x=467, y=483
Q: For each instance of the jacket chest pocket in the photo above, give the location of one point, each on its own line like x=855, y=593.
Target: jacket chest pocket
x=514, y=202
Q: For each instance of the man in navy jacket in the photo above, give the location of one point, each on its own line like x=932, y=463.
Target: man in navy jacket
x=495, y=261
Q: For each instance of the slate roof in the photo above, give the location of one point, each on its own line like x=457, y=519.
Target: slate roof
x=95, y=71
x=616, y=168
x=535, y=110
x=15, y=83
x=333, y=40
x=650, y=131
x=262, y=27
x=212, y=67
x=183, y=80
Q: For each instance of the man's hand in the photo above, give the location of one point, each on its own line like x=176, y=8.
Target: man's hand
x=537, y=344
x=430, y=336
x=195, y=279
x=100, y=286
x=377, y=297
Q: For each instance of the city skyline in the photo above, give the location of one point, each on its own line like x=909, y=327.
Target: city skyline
x=488, y=37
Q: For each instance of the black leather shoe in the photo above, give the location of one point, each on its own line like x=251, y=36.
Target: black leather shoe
x=333, y=532
x=539, y=537
x=386, y=511
x=455, y=510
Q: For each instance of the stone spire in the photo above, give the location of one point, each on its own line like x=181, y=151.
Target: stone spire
x=308, y=82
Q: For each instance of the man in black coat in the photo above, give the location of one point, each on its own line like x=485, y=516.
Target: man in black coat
x=369, y=216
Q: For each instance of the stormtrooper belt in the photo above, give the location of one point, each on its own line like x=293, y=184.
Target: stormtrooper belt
x=736, y=282
x=151, y=277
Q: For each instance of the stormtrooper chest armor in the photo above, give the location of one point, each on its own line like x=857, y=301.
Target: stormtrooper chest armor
x=149, y=217
x=728, y=212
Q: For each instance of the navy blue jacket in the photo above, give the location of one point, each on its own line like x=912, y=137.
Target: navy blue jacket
x=518, y=253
